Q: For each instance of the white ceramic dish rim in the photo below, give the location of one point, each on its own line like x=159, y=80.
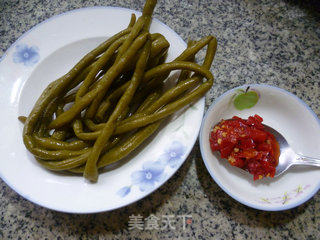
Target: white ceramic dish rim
x=76, y=10
x=159, y=185
x=256, y=206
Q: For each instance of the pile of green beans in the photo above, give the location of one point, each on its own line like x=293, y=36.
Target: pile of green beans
x=113, y=99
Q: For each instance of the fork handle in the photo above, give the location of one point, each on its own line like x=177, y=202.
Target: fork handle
x=307, y=161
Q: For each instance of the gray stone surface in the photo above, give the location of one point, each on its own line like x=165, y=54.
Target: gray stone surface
x=269, y=41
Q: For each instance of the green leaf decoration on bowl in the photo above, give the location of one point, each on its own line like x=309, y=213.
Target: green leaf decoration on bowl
x=245, y=99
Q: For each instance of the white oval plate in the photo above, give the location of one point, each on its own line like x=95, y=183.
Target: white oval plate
x=42, y=55
x=295, y=121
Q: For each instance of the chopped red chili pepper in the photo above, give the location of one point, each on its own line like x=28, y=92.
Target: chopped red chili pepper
x=247, y=145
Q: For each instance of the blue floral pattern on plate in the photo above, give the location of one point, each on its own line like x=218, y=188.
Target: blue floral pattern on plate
x=124, y=191
x=153, y=172
x=28, y=56
x=173, y=154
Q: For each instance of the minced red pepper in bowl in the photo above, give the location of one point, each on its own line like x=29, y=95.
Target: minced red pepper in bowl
x=247, y=145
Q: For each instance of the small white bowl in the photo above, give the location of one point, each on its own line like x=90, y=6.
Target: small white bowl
x=295, y=121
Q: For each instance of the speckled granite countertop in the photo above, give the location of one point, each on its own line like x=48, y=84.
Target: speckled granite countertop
x=268, y=41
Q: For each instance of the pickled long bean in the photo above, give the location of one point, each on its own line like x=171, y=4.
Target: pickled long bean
x=113, y=99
